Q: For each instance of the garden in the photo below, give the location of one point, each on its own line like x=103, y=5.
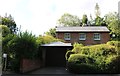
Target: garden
x=94, y=59
x=23, y=45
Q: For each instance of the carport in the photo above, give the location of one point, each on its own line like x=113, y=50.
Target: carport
x=53, y=54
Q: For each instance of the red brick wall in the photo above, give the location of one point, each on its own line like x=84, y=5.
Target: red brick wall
x=29, y=65
x=89, y=38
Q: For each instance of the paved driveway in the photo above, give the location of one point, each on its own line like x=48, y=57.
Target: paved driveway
x=54, y=71
x=51, y=70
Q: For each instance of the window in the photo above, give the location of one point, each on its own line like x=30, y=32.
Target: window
x=96, y=36
x=67, y=36
x=82, y=36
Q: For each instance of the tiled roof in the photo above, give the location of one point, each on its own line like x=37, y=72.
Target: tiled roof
x=83, y=29
x=57, y=44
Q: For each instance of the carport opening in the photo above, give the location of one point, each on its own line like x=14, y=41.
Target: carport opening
x=54, y=56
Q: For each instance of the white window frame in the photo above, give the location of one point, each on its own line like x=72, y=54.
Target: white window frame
x=96, y=36
x=82, y=36
x=67, y=36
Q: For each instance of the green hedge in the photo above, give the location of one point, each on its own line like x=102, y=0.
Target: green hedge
x=95, y=50
x=102, y=58
x=79, y=63
x=68, y=53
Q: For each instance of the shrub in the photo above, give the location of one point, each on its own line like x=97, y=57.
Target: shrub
x=114, y=43
x=114, y=65
x=102, y=58
x=77, y=47
x=78, y=63
x=95, y=50
x=68, y=53
x=22, y=46
x=46, y=39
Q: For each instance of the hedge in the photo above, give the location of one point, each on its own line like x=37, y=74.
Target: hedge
x=79, y=63
x=102, y=58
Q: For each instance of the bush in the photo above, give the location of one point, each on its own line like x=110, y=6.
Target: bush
x=77, y=47
x=23, y=45
x=95, y=50
x=68, y=53
x=102, y=58
x=114, y=65
x=78, y=63
x=46, y=39
x=114, y=43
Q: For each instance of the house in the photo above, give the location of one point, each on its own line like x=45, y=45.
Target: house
x=88, y=35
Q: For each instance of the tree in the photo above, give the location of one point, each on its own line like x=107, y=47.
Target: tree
x=84, y=19
x=10, y=23
x=92, y=21
x=5, y=30
x=113, y=22
x=51, y=32
x=99, y=21
x=97, y=10
x=69, y=20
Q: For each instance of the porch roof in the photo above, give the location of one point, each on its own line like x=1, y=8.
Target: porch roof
x=57, y=44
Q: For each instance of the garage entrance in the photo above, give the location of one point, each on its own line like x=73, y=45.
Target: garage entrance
x=54, y=54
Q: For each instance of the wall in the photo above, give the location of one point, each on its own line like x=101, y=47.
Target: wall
x=29, y=65
x=89, y=38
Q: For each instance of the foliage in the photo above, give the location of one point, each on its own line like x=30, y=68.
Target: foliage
x=100, y=21
x=97, y=10
x=5, y=43
x=69, y=20
x=113, y=24
x=46, y=39
x=20, y=46
x=102, y=58
x=10, y=23
x=51, y=32
x=116, y=44
x=68, y=53
x=5, y=30
x=24, y=45
x=84, y=19
x=79, y=63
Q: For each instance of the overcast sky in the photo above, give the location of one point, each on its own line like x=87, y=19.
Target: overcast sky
x=38, y=16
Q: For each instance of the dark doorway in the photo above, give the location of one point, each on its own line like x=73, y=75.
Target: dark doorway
x=55, y=56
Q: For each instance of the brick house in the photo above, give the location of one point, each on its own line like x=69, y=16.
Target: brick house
x=88, y=35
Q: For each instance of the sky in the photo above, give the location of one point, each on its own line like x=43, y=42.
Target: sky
x=38, y=16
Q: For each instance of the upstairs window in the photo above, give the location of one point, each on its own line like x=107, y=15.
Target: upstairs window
x=82, y=36
x=67, y=36
x=96, y=36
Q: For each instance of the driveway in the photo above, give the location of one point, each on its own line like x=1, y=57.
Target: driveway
x=54, y=71
x=51, y=70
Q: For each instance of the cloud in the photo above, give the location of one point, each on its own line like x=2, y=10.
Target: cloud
x=39, y=16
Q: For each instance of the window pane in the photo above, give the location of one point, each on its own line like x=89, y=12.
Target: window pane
x=96, y=36
x=82, y=36
x=67, y=36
